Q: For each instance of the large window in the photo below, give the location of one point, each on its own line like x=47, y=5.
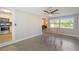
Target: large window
x=54, y=23
x=67, y=23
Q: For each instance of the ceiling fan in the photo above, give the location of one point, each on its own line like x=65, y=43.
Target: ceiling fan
x=51, y=11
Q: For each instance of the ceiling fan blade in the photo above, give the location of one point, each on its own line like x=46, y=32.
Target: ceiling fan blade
x=46, y=11
x=54, y=11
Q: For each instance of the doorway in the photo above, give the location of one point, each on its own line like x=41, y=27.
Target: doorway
x=6, y=28
x=44, y=24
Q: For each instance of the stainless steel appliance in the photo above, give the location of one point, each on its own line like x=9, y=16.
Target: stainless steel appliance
x=4, y=25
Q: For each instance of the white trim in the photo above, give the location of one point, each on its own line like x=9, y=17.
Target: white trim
x=76, y=36
x=18, y=40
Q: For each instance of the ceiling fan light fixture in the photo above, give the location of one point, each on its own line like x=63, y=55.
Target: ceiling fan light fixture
x=50, y=15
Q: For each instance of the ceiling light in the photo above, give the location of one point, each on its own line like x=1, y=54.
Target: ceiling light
x=50, y=15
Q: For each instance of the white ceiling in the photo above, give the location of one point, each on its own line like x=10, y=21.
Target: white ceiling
x=33, y=10
x=38, y=10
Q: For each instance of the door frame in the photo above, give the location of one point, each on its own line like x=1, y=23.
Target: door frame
x=13, y=28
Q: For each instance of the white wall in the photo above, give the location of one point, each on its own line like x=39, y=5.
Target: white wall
x=27, y=25
x=78, y=26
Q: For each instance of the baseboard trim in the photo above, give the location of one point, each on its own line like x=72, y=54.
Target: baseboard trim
x=66, y=34
x=15, y=41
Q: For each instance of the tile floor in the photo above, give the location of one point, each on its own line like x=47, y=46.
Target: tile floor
x=46, y=42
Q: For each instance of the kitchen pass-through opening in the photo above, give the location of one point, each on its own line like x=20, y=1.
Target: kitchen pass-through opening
x=6, y=19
